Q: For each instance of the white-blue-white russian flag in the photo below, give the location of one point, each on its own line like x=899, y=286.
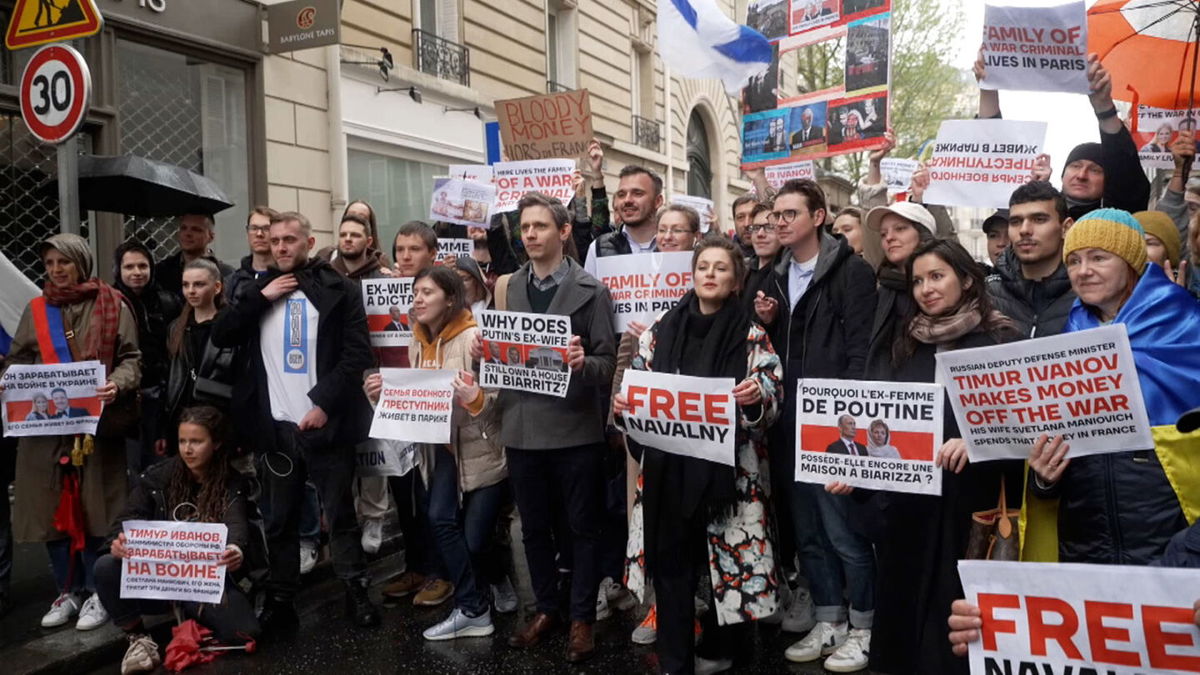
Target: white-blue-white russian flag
x=697, y=40
x=16, y=294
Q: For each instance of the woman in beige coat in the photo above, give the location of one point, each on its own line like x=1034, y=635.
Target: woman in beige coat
x=100, y=327
x=466, y=481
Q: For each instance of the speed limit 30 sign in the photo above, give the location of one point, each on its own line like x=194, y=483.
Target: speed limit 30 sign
x=56, y=89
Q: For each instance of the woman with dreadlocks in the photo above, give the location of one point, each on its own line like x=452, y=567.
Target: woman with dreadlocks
x=197, y=485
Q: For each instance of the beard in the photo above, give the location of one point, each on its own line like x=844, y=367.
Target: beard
x=356, y=255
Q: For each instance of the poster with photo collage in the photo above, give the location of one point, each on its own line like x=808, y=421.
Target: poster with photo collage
x=851, y=116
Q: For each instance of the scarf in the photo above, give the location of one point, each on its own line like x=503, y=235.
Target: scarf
x=100, y=342
x=893, y=278
x=934, y=330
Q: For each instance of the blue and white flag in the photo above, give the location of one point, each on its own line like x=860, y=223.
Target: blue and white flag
x=18, y=291
x=697, y=40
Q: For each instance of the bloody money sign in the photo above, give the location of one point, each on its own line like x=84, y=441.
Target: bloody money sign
x=879, y=435
x=174, y=560
x=545, y=126
x=643, y=285
x=682, y=415
x=525, y=352
x=387, y=302
x=1082, y=385
x=52, y=399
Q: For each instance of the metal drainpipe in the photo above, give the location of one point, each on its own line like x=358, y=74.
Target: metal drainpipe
x=339, y=181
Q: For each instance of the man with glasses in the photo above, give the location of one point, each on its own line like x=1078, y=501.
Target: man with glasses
x=258, y=229
x=817, y=306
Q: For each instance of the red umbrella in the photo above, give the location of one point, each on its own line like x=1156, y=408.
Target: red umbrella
x=1149, y=48
x=68, y=516
x=184, y=649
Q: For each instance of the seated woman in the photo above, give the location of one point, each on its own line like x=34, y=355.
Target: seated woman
x=196, y=485
x=693, y=514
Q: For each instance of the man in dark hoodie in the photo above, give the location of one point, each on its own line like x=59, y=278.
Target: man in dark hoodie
x=1030, y=284
x=258, y=237
x=297, y=403
x=818, y=308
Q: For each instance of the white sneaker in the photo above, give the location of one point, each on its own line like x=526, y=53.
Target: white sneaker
x=308, y=557
x=602, y=610
x=853, y=655
x=799, y=617
x=372, y=535
x=710, y=667
x=618, y=596
x=62, y=610
x=459, y=625
x=822, y=640
x=142, y=655
x=92, y=615
x=504, y=597
x=646, y=632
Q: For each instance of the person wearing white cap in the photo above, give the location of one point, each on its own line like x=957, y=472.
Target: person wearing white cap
x=891, y=235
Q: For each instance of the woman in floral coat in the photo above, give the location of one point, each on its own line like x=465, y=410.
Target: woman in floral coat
x=689, y=510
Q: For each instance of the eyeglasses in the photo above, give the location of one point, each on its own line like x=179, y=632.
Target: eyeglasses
x=787, y=216
x=258, y=229
x=755, y=229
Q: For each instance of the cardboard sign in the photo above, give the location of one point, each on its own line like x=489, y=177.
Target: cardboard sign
x=878, y=435
x=384, y=457
x=388, y=302
x=1035, y=48
x=449, y=250
x=683, y=415
x=525, y=352
x=551, y=177
x=545, y=126
x=1075, y=618
x=897, y=173
x=1082, y=385
x=778, y=175
x=463, y=203
x=703, y=206
x=414, y=406
x=643, y=285
x=980, y=162
x=174, y=560
x=52, y=399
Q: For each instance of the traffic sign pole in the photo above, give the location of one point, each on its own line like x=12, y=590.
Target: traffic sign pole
x=68, y=186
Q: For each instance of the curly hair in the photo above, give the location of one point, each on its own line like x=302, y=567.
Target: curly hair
x=208, y=494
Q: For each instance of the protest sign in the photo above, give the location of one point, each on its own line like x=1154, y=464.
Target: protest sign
x=1077, y=618
x=551, y=177
x=384, y=457
x=879, y=435
x=779, y=174
x=525, y=352
x=174, y=560
x=980, y=162
x=643, y=285
x=414, y=406
x=683, y=415
x=1035, y=48
x=1082, y=385
x=57, y=399
x=704, y=207
x=897, y=173
x=1156, y=130
x=545, y=126
x=473, y=173
x=463, y=203
x=387, y=302
x=808, y=14
x=450, y=249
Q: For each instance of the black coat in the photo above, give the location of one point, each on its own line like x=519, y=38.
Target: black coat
x=343, y=353
x=1038, y=308
x=216, y=365
x=920, y=538
x=169, y=272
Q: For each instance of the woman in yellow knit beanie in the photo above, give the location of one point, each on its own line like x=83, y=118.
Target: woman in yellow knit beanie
x=1163, y=245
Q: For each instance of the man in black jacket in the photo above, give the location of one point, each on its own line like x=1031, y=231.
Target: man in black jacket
x=196, y=232
x=639, y=197
x=1030, y=285
x=258, y=238
x=818, y=308
x=301, y=408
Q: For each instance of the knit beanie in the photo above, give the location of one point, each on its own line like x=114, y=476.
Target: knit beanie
x=1089, y=151
x=1160, y=225
x=1112, y=230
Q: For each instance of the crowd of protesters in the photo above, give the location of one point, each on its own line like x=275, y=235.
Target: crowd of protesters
x=204, y=415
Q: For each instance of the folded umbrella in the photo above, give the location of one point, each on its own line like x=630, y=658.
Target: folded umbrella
x=136, y=186
x=184, y=649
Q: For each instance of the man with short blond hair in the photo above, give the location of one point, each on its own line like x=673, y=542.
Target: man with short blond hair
x=195, y=235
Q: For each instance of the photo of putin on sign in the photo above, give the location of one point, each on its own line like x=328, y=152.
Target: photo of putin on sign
x=845, y=444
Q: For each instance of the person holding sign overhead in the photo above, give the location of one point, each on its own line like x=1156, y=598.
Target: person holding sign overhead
x=921, y=537
x=196, y=485
x=690, y=509
x=466, y=482
x=77, y=318
x=1122, y=508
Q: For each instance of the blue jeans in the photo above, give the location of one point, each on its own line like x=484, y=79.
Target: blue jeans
x=833, y=555
x=75, y=578
x=464, y=535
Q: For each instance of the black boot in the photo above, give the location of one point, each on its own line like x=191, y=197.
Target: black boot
x=359, y=607
x=278, y=620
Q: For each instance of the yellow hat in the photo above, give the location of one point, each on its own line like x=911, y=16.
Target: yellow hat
x=1112, y=230
x=1160, y=225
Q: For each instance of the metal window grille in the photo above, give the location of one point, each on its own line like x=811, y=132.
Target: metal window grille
x=647, y=133
x=443, y=58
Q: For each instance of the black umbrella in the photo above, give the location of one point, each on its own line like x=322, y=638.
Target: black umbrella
x=136, y=186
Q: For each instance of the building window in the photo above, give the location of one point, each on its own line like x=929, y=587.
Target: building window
x=178, y=109
x=398, y=189
x=436, y=45
x=699, y=180
x=560, y=47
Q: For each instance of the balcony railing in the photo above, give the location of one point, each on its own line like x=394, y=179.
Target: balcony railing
x=647, y=133
x=442, y=58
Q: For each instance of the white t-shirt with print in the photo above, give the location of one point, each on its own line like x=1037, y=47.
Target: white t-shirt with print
x=288, y=340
